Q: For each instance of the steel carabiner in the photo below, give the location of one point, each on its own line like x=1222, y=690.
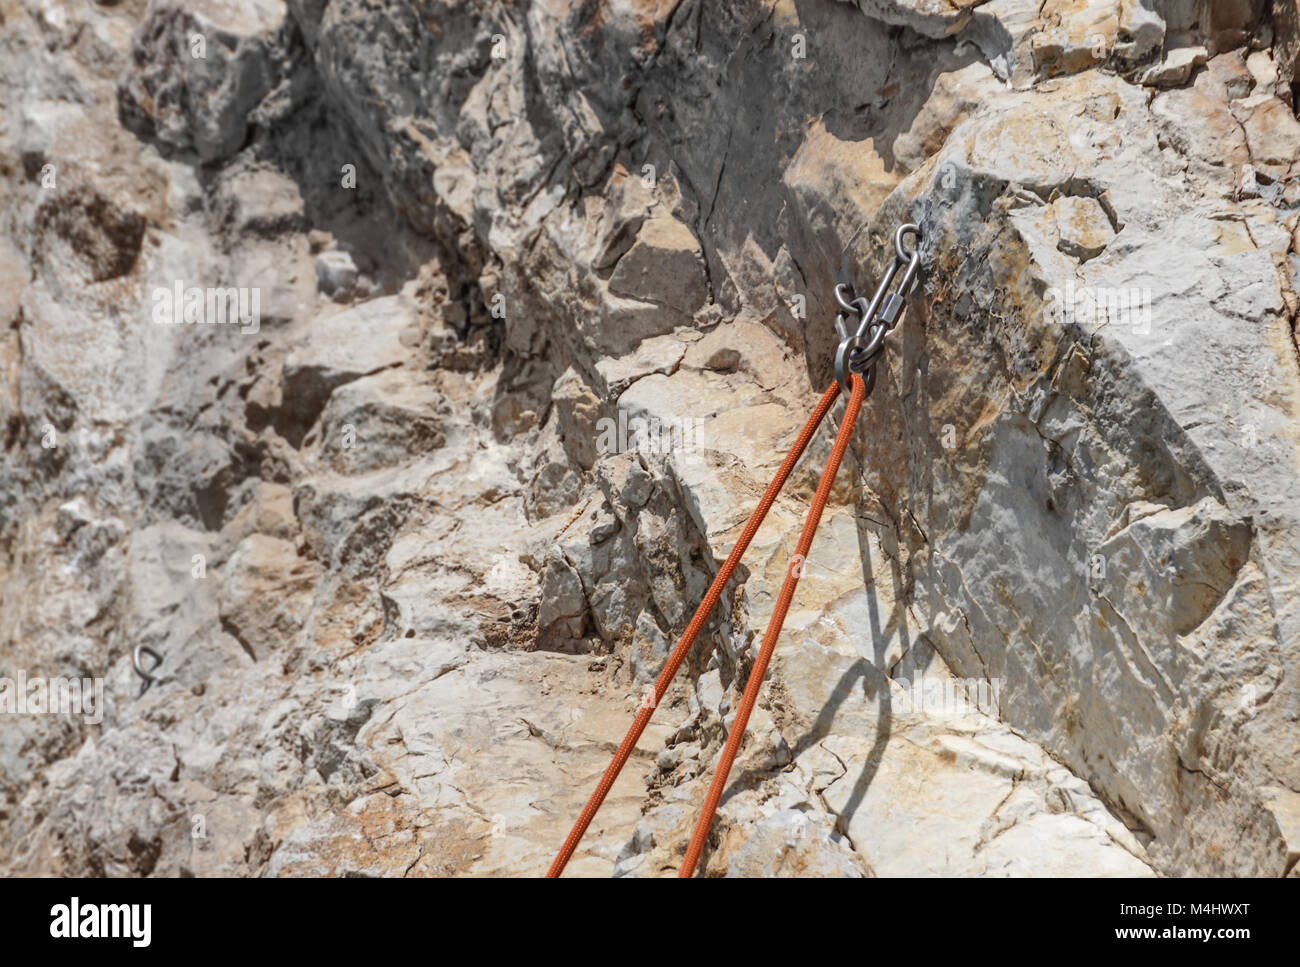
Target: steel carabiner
x=857, y=353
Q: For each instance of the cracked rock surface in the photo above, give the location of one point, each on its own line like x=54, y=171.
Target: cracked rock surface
x=544, y=292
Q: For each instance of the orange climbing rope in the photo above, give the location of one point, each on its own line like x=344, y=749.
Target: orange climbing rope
x=692, y=631
x=857, y=355
x=737, y=732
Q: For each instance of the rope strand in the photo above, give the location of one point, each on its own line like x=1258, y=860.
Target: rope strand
x=697, y=622
x=737, y=733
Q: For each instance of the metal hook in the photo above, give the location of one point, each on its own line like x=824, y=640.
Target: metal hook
x=858, y=352
x=138, y=665
x=906, y=229
x=845, y=304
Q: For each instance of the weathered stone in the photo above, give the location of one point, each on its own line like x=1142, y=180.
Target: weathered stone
x=664, y=265
x=338, y=348
x=1286, y=26
x=266, y=591
x=1272, y=134
x=336, y=273
x=563, y=608
x=412, y=561
x=1083, y=227
x=1176, y=69
x=382, y=420
x=200, y=69
x=578, y=411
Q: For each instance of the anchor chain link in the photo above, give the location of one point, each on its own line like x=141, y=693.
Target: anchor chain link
x=858, y=352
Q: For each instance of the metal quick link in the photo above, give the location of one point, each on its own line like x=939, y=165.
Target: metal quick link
x=857, y=353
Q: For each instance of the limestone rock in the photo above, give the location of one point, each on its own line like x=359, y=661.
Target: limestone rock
x=1176, y=69
x=200, y=70
x=339, y=348
x=1084, y=227
x=544, y=300
x=664, y=265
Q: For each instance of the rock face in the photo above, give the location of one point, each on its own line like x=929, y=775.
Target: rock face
x=402, y=373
